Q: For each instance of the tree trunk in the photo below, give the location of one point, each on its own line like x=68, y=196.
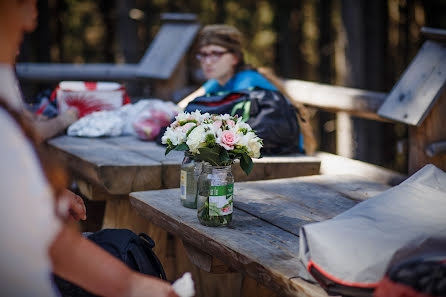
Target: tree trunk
x=365, y=27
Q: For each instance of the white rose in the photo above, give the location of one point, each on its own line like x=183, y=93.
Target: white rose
x=171, y=135
x=225, y=117
x=251, y=142
x=182, y=116
x=196, y=115
x=196, y=139
x=244, y=139
x=254, y=147
x=242, y=125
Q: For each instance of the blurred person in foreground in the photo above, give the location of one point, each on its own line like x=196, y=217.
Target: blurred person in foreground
x=220, y=53
x=35, y=241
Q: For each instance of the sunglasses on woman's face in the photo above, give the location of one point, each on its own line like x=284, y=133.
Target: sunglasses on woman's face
x=213, y=56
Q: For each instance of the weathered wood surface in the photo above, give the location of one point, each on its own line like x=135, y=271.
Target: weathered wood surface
x=159, y=62
x=268, y=167
x=357, y=102
x=413, y=96
x=167, y=49
x=263, y=240
x=335, y=165
x=120, y=165
x=433, y=129
x=116, y=170
x=292, y=202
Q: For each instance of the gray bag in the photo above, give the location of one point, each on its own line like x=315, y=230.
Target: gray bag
x=349, y=253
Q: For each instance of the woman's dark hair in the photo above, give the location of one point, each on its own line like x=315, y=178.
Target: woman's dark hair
x=226, y=36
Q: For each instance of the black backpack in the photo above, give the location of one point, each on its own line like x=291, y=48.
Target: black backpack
x=134, y=250
x=269, y=113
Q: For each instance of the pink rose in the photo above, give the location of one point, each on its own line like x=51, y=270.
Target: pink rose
x=217, y=124
x=186, y=127
x=228, y=139
x=174, y=125
x=230, y=123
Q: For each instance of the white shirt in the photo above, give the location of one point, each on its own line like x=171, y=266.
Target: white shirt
x=9, y=87
x=28, y=224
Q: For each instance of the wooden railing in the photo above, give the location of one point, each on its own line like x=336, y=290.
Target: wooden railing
x=361, y=103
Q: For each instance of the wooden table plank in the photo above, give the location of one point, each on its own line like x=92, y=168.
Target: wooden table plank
x=86, y=156
x=117, y=170
x=268, y=167
x=171, y=163
x=250, y=245
x=292, y=202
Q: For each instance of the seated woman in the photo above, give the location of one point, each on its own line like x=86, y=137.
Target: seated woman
x=222, y=61
x=219, y=51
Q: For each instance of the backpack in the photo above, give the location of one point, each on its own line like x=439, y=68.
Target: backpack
x=132, y=249
x=419, y=276
x=268, y=112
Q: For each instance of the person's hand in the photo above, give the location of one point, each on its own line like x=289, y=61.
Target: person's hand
x=74, y=205
x=68, y=117
x=145, y=286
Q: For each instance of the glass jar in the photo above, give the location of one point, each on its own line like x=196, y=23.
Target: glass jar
x=190, y=171
x=215, y=195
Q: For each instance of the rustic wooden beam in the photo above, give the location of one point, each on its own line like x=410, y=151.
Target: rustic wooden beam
x=434, y=34
x=356, y=102
x=335, y=165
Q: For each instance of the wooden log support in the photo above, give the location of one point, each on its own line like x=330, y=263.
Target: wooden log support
x=434, y=33
x=356, y=102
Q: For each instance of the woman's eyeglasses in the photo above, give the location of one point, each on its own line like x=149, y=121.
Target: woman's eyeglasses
x=213, y=56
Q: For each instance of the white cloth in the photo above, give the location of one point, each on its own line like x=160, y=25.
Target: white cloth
x=28, y=224
x=9, y=89
x=184, y=286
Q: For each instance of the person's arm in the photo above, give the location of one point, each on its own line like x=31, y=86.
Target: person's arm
x=82, y=262
x=197, y=93
x=49, y=128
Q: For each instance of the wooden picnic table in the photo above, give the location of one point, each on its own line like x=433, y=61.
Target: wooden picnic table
x=267, y=213
x=262, y=243
x=108, y=169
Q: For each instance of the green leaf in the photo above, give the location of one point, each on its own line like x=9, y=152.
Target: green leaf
x=238, y=151
x=182, y=147
x=190, y=130
x=210, y=155
x=168, y=149
x=224, y=156
x=246, y=164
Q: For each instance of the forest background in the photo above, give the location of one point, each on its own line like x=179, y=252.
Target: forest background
x=355, y=43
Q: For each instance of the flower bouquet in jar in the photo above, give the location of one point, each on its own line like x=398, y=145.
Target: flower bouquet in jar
x=217, y=140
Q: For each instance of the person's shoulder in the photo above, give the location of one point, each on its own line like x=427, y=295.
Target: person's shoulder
x=252, y=78
x=250, y=73
x=211, y=86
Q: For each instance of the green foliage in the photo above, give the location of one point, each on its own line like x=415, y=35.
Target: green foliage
x=180, y=147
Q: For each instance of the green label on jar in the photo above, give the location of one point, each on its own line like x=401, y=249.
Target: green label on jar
x=221, y=200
